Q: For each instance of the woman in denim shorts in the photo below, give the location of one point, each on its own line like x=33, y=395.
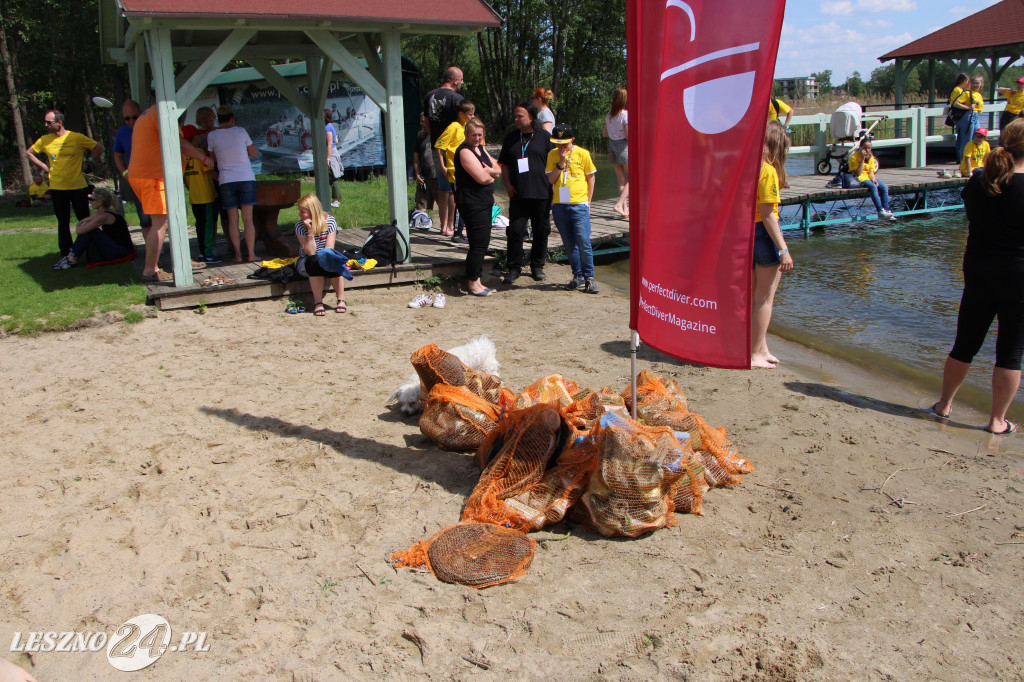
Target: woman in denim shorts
x=771, y=255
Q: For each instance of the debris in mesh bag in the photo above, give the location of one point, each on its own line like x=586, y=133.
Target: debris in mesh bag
x=632, y=490
x=534, y=468
x=558, y=450
x=475, y=554
x=552, y=389
x=662, y=403
x=457, y=419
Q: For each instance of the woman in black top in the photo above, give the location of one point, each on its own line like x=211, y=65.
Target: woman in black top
x=993, y=279
x=102, y=237
x=475, y=172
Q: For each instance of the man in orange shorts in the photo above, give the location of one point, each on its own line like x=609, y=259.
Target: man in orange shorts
x=146, y=175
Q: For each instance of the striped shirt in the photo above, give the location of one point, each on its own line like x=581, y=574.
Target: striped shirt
x=321, y=239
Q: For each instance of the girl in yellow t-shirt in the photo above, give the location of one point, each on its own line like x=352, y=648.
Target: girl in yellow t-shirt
x=771, y=255
x=1014, y=103
x=863, y=166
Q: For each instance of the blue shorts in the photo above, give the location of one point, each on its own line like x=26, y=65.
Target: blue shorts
x=765, y=253
x=235, y=194
x=442, y=183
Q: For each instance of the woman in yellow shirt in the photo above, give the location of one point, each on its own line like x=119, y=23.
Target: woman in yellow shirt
x=771, y=255
x=863, y=166
x=1014, y=104
x=971, y=102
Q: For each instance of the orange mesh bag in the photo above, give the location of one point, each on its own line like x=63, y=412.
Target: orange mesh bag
x=688, y=492
x=530, y=480
x=436, y=366
x=632, y=489
x=457, y=419
x=722, y=466
x=552, y=389
x=475, y=554
x=489, y=387
x=588, y=406
x=658, y=402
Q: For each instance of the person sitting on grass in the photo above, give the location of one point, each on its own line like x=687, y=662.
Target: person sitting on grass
x=316, y=232
x=974, y=153
x=102, y=237
x=39, y=191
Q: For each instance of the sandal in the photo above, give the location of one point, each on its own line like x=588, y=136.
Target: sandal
x=159, y=276
x=341, y=307
x=318, y=310
x=295, y=308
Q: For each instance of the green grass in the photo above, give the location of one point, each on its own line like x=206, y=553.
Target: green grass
x=36, y=298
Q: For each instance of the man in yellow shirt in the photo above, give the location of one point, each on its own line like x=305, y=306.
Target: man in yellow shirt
x=572, y=172
x=776, y=108
x=62, y=152
x=975, y=152
x=39, y=191
x=1014, y=104
x=446, y=145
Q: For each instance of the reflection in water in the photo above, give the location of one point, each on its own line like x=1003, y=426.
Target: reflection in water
x=884, y=296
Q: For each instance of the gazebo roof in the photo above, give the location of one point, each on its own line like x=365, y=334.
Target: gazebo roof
x=475, y=13
x=1002, y=24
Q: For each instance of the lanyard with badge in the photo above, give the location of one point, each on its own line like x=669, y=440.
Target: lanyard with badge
x=524, y=162
x=564, y=192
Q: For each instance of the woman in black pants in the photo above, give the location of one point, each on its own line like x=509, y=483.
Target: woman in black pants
x=475, y=172
x=993, y=279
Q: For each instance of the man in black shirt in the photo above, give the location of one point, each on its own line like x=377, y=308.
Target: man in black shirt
x=440, y=109
x=523, y=158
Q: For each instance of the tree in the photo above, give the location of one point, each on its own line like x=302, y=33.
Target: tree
x=824, y=80
x=854, y=85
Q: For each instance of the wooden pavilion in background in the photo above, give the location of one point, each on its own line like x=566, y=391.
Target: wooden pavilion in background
x=992, y=39
x=201, y=38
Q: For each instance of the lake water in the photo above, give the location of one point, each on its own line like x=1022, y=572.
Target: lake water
x=881, y=295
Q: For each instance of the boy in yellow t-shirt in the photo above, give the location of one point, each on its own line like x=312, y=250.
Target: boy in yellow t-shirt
x=572, y=172
x=975, y=152
x=446, y=145
x=201, y=196
x=39, y=192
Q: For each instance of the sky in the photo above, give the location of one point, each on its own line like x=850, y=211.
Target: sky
x=849, y=35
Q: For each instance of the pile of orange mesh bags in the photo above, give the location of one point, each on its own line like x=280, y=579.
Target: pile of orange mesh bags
x=557, y=450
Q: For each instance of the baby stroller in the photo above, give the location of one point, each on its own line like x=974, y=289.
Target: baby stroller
x=846, y=130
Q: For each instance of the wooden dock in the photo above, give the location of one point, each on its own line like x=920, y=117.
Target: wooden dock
x=432, y=255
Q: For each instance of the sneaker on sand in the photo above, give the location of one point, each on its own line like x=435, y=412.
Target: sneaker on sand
x=422, y=301
x=439, y=300
x=590, y=286
x=574, y=283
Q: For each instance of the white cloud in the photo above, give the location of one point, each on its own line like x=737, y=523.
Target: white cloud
x=845, y=8
x=840, y=8
x=829, y=45
x=875, y=23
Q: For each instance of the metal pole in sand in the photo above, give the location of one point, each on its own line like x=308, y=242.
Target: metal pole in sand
x=634, y=343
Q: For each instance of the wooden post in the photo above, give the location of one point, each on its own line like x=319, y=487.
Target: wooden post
x=318, y=71
x=901, y=77
x=158, y=42
x=398, y=186
x=931, y=93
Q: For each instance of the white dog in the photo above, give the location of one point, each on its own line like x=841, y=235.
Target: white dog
x=478, y=353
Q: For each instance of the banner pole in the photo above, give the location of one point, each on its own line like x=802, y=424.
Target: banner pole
x=634, y=343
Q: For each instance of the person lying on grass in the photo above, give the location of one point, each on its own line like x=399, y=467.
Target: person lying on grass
x=102, y=237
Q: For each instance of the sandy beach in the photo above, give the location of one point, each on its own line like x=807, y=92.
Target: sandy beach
x=239, y=474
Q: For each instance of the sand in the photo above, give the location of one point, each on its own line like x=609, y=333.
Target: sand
x=238, y=473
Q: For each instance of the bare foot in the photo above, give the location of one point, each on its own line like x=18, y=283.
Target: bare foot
x=256, y=260
x=761, y=362
x=237, y=258
x=771, y=358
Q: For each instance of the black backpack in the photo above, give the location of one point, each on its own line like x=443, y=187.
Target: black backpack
x=386, y=244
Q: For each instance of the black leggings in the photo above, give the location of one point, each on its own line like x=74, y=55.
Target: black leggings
x=536, y=211
x=988, y=297
x=63, y=201
x=478, y=232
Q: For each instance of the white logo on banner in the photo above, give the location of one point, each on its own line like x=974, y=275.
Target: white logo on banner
x=716, y=105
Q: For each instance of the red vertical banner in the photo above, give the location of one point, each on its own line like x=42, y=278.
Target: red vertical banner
x=700, y=77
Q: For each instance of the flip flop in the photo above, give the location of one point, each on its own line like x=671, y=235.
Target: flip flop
x=318, y=310
x=1010, y=428
x=935, y=412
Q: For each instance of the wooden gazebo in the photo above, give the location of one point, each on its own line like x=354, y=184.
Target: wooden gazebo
x=204, y=37
x=992, y=39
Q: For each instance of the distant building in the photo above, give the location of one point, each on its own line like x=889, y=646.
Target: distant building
x=801, y=87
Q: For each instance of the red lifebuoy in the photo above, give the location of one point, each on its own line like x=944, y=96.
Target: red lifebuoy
x=304, y=140
x=273, y=137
